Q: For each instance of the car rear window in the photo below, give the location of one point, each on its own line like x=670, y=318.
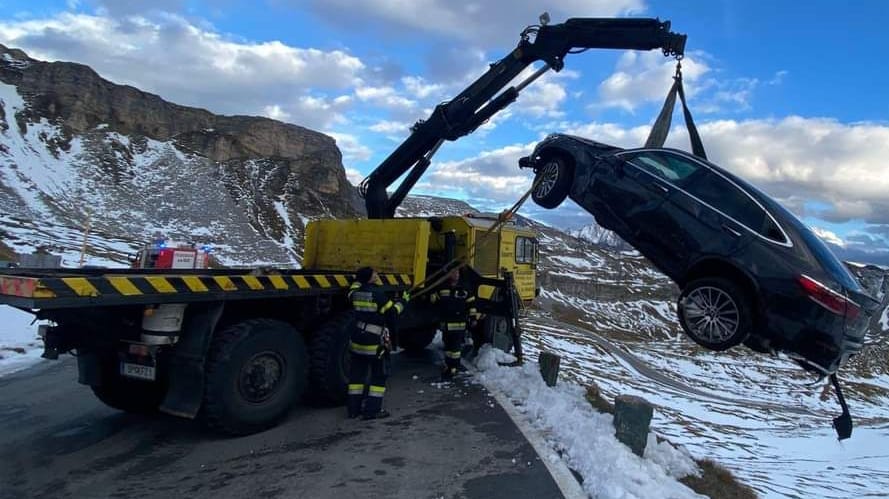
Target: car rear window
x=772, y=231
x=831, y=264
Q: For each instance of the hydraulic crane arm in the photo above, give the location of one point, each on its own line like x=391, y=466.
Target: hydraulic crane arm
x=477, y=103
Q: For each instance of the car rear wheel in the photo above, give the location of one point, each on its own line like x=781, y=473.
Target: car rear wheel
x=552, y=183
x=715, y=313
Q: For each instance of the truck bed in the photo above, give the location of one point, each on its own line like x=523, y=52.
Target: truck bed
x=72, y=288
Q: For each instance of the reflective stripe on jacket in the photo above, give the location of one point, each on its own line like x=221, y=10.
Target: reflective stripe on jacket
x=372, y=305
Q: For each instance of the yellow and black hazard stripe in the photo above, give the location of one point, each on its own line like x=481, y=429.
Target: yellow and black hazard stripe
x=184, y=287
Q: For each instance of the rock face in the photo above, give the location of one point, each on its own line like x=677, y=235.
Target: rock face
x=246, y=184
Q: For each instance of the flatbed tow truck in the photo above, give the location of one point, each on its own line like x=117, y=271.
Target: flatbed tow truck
x=240, y=347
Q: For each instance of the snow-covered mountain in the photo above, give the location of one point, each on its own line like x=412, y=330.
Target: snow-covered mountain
x=601, y=236
x=77, y=149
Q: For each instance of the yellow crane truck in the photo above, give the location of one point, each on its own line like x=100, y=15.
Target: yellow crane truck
x=241, y=346
x=244, y=345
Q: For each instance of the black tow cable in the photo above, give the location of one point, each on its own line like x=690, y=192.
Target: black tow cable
x=842, y=423
x=661, y=128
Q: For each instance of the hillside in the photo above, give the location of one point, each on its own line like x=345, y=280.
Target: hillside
x=76, y=147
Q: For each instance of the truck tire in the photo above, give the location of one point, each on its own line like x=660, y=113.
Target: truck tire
x=329, y=360
x=130, y=395
x=256, y=370
x=415, y=340
x=553, y=181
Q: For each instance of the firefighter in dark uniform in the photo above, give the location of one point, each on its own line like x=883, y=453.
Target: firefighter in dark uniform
x=457, y=309
x=375, y=312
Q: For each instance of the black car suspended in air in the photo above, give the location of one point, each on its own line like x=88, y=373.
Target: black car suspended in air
x=750, y=272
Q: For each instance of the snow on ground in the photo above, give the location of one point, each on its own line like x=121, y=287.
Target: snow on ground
x=585, y=437
x=19, y=345
x=581, y=263
x=759, y=416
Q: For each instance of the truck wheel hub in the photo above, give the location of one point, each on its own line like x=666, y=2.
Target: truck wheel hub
x=261, y=376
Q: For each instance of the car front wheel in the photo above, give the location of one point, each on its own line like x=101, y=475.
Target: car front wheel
x=552, y=183
x=715, y=313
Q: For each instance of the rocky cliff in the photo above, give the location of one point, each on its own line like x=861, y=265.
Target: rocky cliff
x=74, y=146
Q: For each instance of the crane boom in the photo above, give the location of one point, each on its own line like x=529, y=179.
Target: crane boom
x=480, y=101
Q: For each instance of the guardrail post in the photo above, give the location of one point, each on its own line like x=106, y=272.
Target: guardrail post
x=632, y=419
x=549, y=367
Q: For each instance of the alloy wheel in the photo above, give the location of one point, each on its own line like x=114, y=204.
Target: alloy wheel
x=711, y=314
x=549, y=174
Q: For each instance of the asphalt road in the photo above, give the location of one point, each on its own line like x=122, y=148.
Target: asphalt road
x=57, y=440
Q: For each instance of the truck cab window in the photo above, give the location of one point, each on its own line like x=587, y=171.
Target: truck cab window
x=526, y=250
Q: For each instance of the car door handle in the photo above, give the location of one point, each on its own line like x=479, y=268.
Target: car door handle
x=661, y=187
x=731, y=230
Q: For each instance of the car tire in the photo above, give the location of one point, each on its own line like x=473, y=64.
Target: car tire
x=715, y=313
x=329, y=360
x=256, y=370
x=553, y=181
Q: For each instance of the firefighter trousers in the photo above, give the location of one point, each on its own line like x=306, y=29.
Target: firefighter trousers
x=453, y=336
x=367, y=375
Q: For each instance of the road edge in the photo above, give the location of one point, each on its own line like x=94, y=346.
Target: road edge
x=559, y=471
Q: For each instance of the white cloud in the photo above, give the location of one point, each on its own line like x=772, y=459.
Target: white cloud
x=276, y=113
x=385, y=97
x=355, y=177
x=489, y=179
x=351, y=147
x=798, y=160
x=485, y=23
x=544, y=98
x=418, y=87
x=192, y=65
x=829, y=236
x=778, y=78
x=117, y=8
x=818, y=159
x=390, y=127
x=642, y=77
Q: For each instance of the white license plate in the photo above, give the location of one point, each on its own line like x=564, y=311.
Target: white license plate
x=137, y=371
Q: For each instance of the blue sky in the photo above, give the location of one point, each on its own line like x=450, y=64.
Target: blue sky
x=788, y=95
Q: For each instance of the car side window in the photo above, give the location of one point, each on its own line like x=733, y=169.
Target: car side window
x=721, y=194
x=771, y=231
x=670, y=167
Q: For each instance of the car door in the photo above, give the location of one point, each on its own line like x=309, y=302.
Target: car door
x=651, y=179
x=727, y=216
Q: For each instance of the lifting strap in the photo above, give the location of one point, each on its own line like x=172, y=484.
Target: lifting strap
x=661, y=127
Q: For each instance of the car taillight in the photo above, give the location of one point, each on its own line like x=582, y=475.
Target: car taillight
x=828, y=298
